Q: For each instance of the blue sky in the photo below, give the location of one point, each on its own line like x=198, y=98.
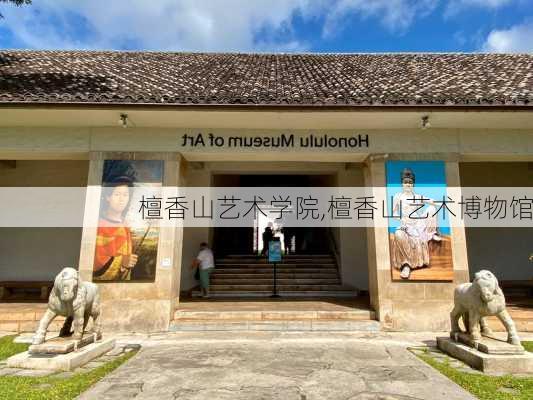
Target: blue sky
x=271, y=25
x=430, y=182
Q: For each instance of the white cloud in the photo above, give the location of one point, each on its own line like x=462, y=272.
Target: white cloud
x=195, y=25
x=395, y=15
x=482, y=3
x=456, y=6
x=229, y=25
x=219, y=25
x=517, y=39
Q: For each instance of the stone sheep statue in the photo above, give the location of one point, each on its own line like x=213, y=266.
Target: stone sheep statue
x=75, y=300
x=477, y=300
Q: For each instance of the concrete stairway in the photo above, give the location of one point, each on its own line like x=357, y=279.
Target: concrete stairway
x=280, y=314
x=297, y=275
x=332, y=321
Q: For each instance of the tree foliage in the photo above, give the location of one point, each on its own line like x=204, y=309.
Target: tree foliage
x=15, y=2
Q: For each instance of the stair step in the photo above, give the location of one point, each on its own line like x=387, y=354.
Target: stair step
x=265, y=259
x=278, y=270
x=270, y=275
x=289, y=256
x=287, y=288
x=284, y=281
x=295, y=325
x=270, y=266
x=284, y=275
x=254, y=263
x=302, y=274
x=232, y=294
x=351, y=315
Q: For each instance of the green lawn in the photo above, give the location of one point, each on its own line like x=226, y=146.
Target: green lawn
x=8, y=348
x=488, y=387
x=50, y=387
x=528, y=346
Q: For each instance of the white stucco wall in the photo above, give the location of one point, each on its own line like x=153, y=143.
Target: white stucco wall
x=192, y=237
x=505, y=251
x=28, y=254
x=353, y=246
x=37, y=254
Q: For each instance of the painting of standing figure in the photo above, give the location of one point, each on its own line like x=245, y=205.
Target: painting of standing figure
x=126, y=245
x=419, y=229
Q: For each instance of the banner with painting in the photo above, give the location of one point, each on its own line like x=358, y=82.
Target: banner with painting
x=419, y=228
x=126, y=244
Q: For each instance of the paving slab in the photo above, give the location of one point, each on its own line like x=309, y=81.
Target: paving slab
x=299, y=366
x=33, y=373
x=8, y=371
x=64, y=375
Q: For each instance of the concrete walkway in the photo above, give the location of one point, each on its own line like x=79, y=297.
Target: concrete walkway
x=285, y=366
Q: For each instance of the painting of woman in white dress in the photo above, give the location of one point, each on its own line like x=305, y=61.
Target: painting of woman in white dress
x=419, y=236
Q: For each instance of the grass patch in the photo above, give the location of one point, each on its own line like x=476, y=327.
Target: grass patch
x=528, y=346
x=8, y=348
x=487, y=387
x=51, y=387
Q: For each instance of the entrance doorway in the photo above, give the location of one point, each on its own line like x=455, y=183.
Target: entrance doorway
x=323, y=276
x=294, y=240
x=310, y=266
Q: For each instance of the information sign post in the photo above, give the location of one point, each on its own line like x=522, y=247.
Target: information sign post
x=274, y=256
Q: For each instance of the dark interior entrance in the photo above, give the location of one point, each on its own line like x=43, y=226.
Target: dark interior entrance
x=244, y=240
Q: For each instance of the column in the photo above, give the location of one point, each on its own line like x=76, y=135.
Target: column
x=411, y=305
x=379, y=275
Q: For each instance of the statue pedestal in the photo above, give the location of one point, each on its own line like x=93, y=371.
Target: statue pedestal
x=490, y=354
x=61, y=362
x=488, y=344
x=63, y=345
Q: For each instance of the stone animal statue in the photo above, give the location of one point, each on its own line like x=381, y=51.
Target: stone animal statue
x=477, y=300
x=73, y=299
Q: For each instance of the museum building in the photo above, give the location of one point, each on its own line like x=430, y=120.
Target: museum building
x=67, y=118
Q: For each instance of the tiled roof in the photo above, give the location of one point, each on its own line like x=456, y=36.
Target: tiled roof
x=265, y=79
